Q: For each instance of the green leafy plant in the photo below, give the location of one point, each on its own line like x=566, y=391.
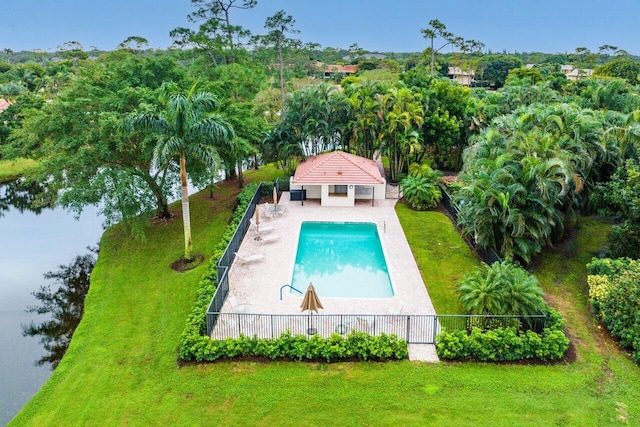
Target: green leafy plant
x=614, y=291
x=195, y=345
x=505, y=344
x=502, y=288
x=300, y=347
x=194, y=334
x=421, y=187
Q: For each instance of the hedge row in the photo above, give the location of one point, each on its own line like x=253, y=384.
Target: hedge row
x=505, y=344
x=195, y=329
x=614, y=293
x=195, y=345
x=299, y=347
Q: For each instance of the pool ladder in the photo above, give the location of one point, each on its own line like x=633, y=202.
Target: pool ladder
x=289, y=286
x=384, y=225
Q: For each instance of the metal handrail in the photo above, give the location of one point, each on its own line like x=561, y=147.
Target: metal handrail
x=289, y=286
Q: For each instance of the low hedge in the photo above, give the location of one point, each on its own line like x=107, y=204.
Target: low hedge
x=195, y=345
x=195, y=329
x=505, y=344
x=300, y=347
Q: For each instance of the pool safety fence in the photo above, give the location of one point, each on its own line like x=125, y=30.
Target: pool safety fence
x=487, y=255
x=228, y=256
x=413, y=328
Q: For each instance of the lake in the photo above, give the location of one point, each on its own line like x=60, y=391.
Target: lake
x=30, y=245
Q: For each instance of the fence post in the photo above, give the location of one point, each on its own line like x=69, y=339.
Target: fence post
x=435, y=327
x=408, y=328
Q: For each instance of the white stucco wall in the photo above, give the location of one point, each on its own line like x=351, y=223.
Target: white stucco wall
x=313, y=191
x=329, y=200
x=321, y=191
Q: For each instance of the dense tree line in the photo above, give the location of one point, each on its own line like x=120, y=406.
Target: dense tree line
x=531, y=152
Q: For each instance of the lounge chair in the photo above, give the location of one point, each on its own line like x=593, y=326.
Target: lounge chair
x=249, y=258
x=260, y=228
x=269, y=238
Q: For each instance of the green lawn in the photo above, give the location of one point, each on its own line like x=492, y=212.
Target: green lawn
x=12, y=169
x=121, y=367
x=442, y=256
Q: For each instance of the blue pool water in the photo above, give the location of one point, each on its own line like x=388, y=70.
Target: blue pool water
x=341, y=260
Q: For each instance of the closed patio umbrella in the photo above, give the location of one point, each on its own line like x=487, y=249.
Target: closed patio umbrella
x=275, y=196
x=312, y=303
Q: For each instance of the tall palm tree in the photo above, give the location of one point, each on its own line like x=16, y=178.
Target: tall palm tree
x=186, y=129
x=402, y=117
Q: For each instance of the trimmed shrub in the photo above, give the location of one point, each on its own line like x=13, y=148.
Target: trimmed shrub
x=196, y=346
x=505, y=344
x=193, y=336
x=300, y=347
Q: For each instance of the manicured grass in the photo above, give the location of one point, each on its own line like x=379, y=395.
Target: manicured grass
x=122, y=369
x=442, y=255
x=12, y=169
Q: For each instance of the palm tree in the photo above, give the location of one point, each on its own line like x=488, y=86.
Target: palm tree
x=364, y=125
x=186, y=129
x=502, y=288
x=402, y=116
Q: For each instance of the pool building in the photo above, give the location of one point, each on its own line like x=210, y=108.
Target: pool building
x=338, y=179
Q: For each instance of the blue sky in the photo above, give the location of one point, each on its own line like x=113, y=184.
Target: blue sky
x=383, y=25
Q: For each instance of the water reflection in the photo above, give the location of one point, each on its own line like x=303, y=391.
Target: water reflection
x=34, y=240
x=64, y=306
x=23, y=195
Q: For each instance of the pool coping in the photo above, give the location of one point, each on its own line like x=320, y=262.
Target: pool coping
x=379, y=284
x=255, y=287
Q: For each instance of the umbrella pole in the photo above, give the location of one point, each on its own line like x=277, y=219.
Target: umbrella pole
x=311, y=330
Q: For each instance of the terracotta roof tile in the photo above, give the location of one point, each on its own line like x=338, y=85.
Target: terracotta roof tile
x=338, y=167
x=4, y=104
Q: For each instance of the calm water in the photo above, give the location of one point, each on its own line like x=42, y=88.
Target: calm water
x=341, y=260
x=31, y=245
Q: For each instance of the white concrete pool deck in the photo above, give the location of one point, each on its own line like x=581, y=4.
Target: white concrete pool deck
x=255, y=286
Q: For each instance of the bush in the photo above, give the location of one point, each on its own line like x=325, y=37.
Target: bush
x=624, y=241
x=195, y=345
x=300, y=347
x=194, y=334
x=502, y=288
x=614, y=293
x=422, y=190
x=505, y=344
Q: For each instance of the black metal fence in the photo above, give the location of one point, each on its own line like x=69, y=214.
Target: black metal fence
x=415, y=329
x=226, y=260
x=487, y=255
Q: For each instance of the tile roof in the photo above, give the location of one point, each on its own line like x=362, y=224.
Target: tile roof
x=338, y=167
x=341, y=69
x=4, y=104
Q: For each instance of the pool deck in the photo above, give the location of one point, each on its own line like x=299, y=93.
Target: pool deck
x=255, y=286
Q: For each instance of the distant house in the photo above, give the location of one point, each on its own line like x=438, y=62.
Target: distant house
x=330, y=70
x=566, y=69
x=579, y=73
x=463, y=77
x=573, y=73
x=338, y=179
x=4, y=104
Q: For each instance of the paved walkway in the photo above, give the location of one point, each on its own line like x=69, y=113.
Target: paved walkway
x=255, y=286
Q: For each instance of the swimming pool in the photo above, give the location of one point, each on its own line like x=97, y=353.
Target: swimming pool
x=341, y=259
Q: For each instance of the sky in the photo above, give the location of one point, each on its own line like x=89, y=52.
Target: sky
x=550, y=26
